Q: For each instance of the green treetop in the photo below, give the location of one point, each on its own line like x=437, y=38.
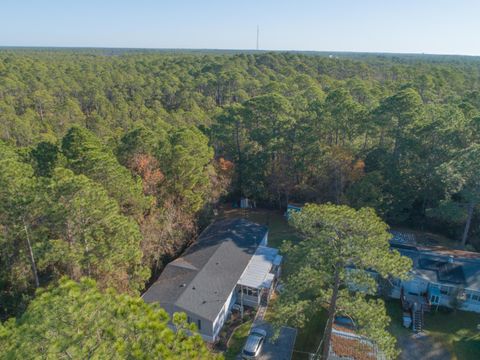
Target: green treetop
x=86, y=155
x=340, y=245
x=77, y=321
x=89, y=236
x=462, y=177
x=19, y=211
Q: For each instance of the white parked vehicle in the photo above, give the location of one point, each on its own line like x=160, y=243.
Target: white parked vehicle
x=253, y=346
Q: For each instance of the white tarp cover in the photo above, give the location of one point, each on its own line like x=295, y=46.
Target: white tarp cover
x=278, y=260
x=268, y=281
x=257, y=274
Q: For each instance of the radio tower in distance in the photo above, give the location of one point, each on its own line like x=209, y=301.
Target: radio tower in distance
x=258, y=36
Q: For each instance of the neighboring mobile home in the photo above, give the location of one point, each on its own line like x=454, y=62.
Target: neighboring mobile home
x=229, y=263
x=440, y=276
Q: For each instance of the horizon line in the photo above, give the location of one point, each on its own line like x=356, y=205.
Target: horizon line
x=235, y=49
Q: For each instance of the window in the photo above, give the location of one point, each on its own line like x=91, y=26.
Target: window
x=189, y=319
x=199, y=324
x=250, y=292
x=445, y=290
x=475, y=297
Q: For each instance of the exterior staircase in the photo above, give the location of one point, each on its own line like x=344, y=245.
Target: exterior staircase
x=417, y=318
x=264, y=299
x=262, y=307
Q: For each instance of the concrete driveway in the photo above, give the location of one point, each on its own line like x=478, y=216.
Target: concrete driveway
x=282, y=347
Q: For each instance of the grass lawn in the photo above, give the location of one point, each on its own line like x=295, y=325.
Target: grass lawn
x=456, y=331
x=310, y=336
x=237, y=340
x=396, y=328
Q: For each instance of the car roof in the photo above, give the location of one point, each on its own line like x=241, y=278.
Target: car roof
x=258, y=331
x=253, y=340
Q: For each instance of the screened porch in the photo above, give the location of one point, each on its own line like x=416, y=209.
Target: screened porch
x=259, y=278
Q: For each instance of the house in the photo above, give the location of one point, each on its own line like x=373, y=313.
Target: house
x=346, y=344
x=229, y=264
x=440, y=276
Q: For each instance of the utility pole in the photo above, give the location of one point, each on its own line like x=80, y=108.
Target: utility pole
x=258, y=36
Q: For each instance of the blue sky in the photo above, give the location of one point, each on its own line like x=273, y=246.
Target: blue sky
x=413, y=26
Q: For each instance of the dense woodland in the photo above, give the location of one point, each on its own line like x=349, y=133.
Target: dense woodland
x=111, y=161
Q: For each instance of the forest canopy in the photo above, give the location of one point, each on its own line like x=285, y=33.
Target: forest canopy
x=75, y=321
x=111, y=161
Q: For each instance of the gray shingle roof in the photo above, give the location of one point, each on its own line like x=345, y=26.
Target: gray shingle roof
x=201, y=280
x=437, y=267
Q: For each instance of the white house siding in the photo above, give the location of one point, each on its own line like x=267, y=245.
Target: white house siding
x=207, y=329
x=206, y=335
x=223, y=314
x=206, y=326
x=466, y=305
x=472, y=301
x=469, y=302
